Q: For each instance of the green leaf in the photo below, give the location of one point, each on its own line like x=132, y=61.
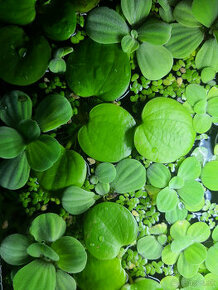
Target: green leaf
x=200, y=107
x=183, y=14
x=176, y=182
x=13, y=249
x=58, y=20
x=11, y=143
x=195, y=93
x=84, y=5
x=184, y=40
x=136, y=11
x=72, y=254
x=14, y=173
x=208, y=74
x=179, y=229
x=199, y=232
x=168, y=256
x=20, y=13
x=29, y=130
x=105, y=172
x=154, y=31
x=186, y=269
x=47, y=227
x=197, y=281
x=76, y=200
x=38, y=250
x=205, y=12
x=165, y=11
x=149, y=248
x=143, y=283
x=181, y=243
x=158, y=175
x=176, y=214
x=102, y=188
x=15, y=107
x=93, y=70
x=212, y=260
x=170, y=283
x=212, y=280
x=97, y=274
x=26, y=57
x=49, y=117
x=195, y=254
x=166, y=133
x=37, y=275
x=107, y=227
x=212, y=107
x=215, y=234
x=57, y=65
x=64, y=281
x=158, y=229
x=209, y=175
x=155, y=61
x=213, y=92
x=192, y=192
x=43, y=153
x=104, y=25
x=129, y=44
x=202, y=123
x=196, y=207
x=108, y=136
x=131, y=176
x=167, y=200
x=190, y=168
x=69, y=169
x=201, y=153
x=207, y=55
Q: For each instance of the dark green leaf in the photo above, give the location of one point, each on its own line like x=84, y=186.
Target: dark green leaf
x=38, y=250
x=84, y=5
x=64, y=281
x=183, y=14
x=29, y=129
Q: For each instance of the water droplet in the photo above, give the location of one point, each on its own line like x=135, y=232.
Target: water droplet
x=101, y=239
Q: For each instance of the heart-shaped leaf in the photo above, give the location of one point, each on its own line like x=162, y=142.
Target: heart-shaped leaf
x=167, y=200
x=105, y=172
x=47, y=227
x=107, y=227
x=208, y=55
x=190, y=168
x=158, y=175
x=130, y=176
x=93, y=70
x=64, y=281
x=199, y=232
x=192, y=192
x=38, y=250
x=166, y=133
x=212, y=259
x=209, y=175
x=183, y=14
x=205, y=12
x=149, y=248
x=108, y=136
x=195, y=254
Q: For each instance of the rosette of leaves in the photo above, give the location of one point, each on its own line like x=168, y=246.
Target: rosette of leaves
x=145, y=36
x=197, y=20
x=46, y=256
x=22, y=144
x=203, y=105
x=186, y=249
x=23, y=58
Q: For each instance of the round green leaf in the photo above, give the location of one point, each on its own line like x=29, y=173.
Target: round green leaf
x=143, y=283
x=168, y=256
x=108, y=136
x=14, y=173
x=20, y=12
x=167, y=200
x=72, y=254
x=104, y=25
x=209, y=175
x=29, y=130
x=212, y=260
x=195, y=254
x=13, y=249
x=190, y=168
x=154, y=61
x=158, y=175
x=131, y=176
x=47, y=227
x=15, y=107
x=129, y=44
x=202, y=123
x=207, y=56
x=179, y=229
x=102, y=188
x=195, y=93
x=64, y=281
x=176, y=182
x=215, y=234
x=208, y=74
x=184, y=40
x=93, y=70
x=76, y=200
x=98, y=274
x=183, y=14
x=107, y=227
x=200, y=107
x=199, y=232
x=192, y=192
x=205, y=12
x=57, y=65
x=154, y=31
x=166, y=133
x=170, y=283
x=43, y=153
x=212, y=107
x=37, y=275
x=26, y=57
x=11, y=143
x=105, y=172
x=38, y=250
x=149, y=248
x=176, y=214
x=186, y=269
x=69, y=169
x=135, y=11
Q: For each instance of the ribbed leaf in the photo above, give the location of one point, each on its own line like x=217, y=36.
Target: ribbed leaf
x=149, y=248
x=184, y=40
x=43, y=153
x=202, y=123
x=190, y=168
x=29, y=129
x=208, y=55
x=136, y=11
x=47, y=227
x=195, y=254
x=212, y=259
x=179, y=229
x=168, y=256
x=158, y=175
x=186, y=269
x=72, y=254
x=192, y=192
x=199, y=232
x=205, y=11
x=183, y=14
x=167, y=200
x=129, y=44
x=14, y=173
x=14, y=107
x=104, y=25
x=38, y=250
x=11, y=143
x=165, y=10
x=64, y=281
x=195, y=93
x=37, y=275
x=105, y=172
x=176, y=214
x=54, y=111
